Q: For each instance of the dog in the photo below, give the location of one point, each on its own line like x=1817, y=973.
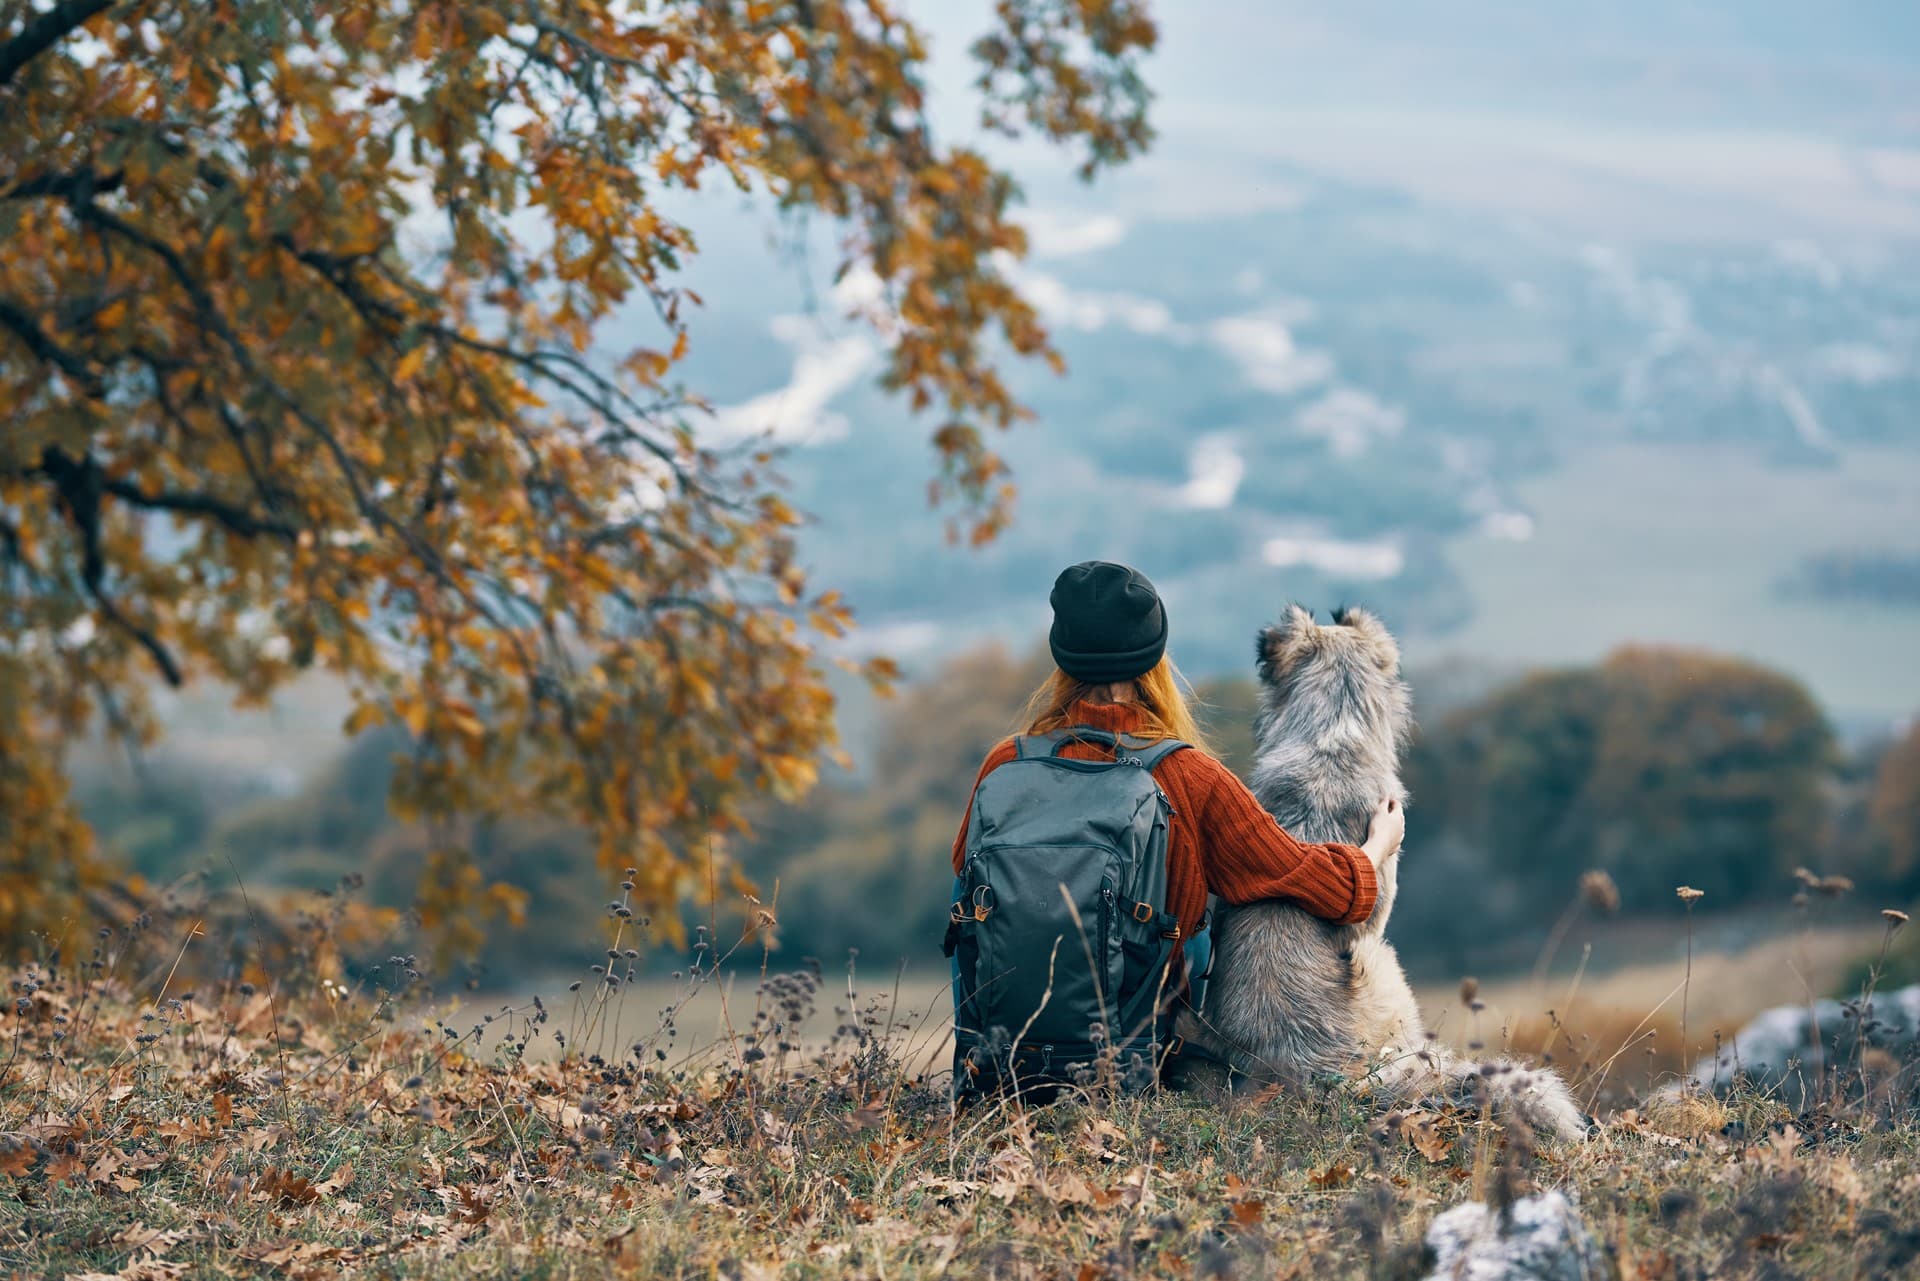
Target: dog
x=1294, y=999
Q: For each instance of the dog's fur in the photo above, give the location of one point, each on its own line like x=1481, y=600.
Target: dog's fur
x=1294, y=998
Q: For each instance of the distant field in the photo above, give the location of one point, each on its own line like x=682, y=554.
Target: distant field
x=713, y=1018
x=1613, y=1000
x=1686, y=545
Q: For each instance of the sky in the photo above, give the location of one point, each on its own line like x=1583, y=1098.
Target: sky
x=1656, y=118
x=1628, y=131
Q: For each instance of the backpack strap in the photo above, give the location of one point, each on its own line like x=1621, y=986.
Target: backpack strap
x=1148, y=754
x=1153, y=753
x=1028, y=747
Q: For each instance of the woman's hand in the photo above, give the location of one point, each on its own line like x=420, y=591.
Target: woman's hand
x=1385, y=831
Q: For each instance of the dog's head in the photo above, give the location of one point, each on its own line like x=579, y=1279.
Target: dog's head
x=1355, y=641
x=1350, y=666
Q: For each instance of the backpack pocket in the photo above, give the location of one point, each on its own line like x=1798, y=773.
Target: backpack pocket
x=1049, y=965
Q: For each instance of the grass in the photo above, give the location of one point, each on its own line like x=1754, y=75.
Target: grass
x=155, y=1125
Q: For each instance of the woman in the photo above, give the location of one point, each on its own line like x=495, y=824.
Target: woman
x=1113, y=679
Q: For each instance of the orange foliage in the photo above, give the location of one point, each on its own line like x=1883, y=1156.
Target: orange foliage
x=297, y=314
x=47, y=860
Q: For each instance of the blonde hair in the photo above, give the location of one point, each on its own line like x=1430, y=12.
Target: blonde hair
x=1165, y=709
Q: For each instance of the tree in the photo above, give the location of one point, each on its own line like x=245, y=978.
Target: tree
x=1895, y=808
x=1711, y=770
x=1660, y=766
x=297, y=316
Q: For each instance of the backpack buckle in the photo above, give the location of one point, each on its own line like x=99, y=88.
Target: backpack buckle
x=1143, y=912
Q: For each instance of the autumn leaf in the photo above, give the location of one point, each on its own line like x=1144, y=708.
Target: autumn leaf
x=1068, y=1188
x=473, y=1206
x=285, y=1188
x=1339, y=1174
x=154, y=1242
x=66, y=1169
x=1247, y=1213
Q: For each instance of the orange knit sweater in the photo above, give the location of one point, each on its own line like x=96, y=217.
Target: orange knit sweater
x=1220, y=840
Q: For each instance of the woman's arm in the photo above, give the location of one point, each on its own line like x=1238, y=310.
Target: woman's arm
x=1248, y=856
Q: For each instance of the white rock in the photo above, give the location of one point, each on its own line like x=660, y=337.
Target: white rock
x=1542, y=1240
x=1778, y=1049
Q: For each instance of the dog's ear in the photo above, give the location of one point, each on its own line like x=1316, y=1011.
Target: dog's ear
x=1278, y=647
x=1384, y=650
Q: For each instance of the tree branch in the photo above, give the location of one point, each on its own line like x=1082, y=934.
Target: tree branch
x=237, y=519
x=81, y=484
x=42, y=345
x=82, y=184
x=43, y=32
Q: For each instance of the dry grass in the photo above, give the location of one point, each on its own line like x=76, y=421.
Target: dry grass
x=1617, y=1035
x=156, y=1127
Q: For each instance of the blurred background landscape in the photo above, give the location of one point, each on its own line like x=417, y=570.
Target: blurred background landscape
x=1584, y=346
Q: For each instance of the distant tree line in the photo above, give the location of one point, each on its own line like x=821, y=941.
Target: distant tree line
x=1659, y=767
x=1875, y=577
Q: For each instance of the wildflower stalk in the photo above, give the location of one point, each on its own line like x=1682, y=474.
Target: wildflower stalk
x=1687, y=895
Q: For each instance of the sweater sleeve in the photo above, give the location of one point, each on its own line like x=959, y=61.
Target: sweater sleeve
x=1248, y=856
x=999, y=756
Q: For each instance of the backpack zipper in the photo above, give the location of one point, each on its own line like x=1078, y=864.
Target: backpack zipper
x=1109, y=909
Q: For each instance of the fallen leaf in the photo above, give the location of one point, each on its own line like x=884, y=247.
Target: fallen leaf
x=139, y=1236
x=1104, y=1139
x=1336, y=1175
x=473, y=1207
x=945, y=1189
x=1070, y=1189
x=66, y=1169
x=289, y=1189
x=16, y=1158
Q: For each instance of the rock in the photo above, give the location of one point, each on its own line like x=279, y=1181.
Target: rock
x=1542, y=1239
x=1778, y=1050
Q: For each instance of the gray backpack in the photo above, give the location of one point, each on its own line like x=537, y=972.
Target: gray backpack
x=1059, y=929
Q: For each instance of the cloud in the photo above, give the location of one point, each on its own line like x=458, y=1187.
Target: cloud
x=1507, y=526
x=1860, y=363
x=798, y=413
x=1090, y=311
x=1350, y=420
x=900, y=638
x=1051, y=234
x=1794, y=404
x=1214, y=472
x=1807, y=257
x=1371, y=560
x=1262, y=345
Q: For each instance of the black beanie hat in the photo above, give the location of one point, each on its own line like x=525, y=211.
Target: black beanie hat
x=1108, y=623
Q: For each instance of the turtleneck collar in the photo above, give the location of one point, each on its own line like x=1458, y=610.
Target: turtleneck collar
x=1115, y=718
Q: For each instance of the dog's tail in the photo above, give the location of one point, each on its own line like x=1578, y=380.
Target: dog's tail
x=1537, y=1097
